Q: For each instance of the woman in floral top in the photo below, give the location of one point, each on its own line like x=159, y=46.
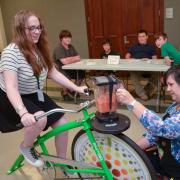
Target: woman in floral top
x=161, y=131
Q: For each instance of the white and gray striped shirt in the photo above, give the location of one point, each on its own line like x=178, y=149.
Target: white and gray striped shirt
x=13, y=59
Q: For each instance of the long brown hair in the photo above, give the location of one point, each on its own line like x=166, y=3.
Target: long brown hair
x=20, y=38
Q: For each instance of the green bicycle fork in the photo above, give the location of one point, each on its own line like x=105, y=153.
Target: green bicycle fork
x=85, y=122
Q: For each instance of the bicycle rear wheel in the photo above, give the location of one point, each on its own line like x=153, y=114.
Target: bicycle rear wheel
x=124, y=158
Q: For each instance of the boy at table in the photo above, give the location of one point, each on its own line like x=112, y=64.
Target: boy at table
x=142, y=50
x=65, y=53
x=107, y=49
x=168, y=51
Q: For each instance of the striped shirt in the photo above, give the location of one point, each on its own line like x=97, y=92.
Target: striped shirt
x=12, y=59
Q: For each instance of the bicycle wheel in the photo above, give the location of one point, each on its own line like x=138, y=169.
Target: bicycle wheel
x=124, y=158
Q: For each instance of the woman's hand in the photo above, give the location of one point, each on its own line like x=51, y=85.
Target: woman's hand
x=28, y=119
x=124, y=97
x=81, y=89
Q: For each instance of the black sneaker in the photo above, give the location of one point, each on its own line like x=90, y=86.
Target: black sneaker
x=31, y=156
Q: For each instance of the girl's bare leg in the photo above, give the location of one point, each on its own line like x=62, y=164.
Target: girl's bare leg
x=61, y=140
x=31, y=133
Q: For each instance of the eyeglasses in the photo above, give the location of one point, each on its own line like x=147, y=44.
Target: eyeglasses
x=34, y=28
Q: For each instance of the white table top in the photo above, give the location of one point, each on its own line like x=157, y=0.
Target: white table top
x=155, y=65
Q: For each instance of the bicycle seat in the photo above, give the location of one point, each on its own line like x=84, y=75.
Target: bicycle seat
x=6, y=127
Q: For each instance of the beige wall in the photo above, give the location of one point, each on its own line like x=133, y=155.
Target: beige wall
x=57, y=15
x=70, y=14
x=3, y=41
x=172, y=26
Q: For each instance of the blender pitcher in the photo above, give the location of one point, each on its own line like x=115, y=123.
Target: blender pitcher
x=105, y=96
x=106, y=119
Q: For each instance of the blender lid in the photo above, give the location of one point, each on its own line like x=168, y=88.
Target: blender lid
x=104, y=80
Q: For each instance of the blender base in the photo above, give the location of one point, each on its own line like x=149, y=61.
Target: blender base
x=113, y=127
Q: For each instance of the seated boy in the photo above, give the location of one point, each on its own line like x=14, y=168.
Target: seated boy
x=171, y=55
x=65, y=53
x=142, y=50
x=107, y=49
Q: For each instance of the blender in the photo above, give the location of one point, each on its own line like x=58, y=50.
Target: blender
x=107, y=120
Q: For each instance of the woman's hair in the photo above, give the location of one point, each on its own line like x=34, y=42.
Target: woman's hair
x=64, y=33
x=26, y=46
x=174, y=71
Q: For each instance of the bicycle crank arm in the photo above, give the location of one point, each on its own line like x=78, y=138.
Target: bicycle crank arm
x=69, y=162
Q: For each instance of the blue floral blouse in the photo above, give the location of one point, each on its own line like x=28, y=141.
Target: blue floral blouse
x=169, y=128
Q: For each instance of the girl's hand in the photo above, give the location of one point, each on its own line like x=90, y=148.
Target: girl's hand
x=124, y=97
x=27, y=119
x=81, y=89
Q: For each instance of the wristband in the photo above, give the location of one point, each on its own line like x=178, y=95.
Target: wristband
x=23, y=114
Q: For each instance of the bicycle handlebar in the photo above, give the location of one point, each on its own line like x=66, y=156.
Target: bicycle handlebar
x=84, y=105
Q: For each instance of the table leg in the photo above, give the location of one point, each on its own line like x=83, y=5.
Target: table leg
x=158, y=93
x=77, y=79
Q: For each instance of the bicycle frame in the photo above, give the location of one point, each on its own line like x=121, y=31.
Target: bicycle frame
x=85, y=123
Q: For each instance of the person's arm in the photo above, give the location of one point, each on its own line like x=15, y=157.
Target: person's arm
x=154, y=57
x=70, y=60
x=165, y=54
x=11, y=85
x=101, y=55
x=127, y=56
x=61, y=55
x=153, y=52
x=124, y=97
x=167, y=60
x=143, y=143
x=169, y=128
x=130, y=52
x=59, y=78
x=138, y=109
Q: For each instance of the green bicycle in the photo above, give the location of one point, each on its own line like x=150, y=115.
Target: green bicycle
x=95, y=155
